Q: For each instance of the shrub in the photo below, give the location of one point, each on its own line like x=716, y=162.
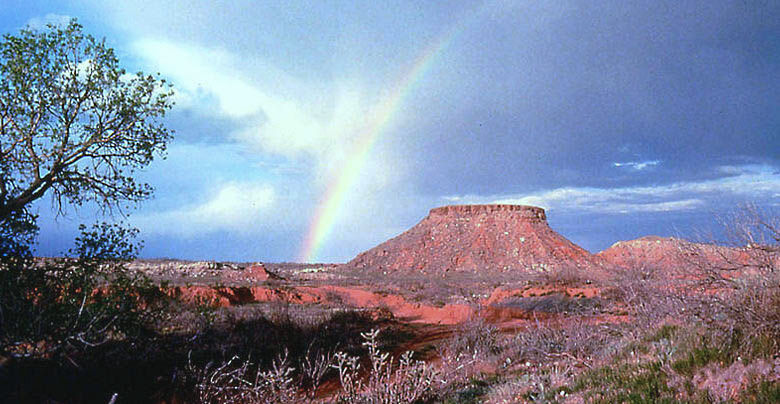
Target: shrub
x=564, y=276
x=56, y=304
x=236, y=382
x=387, y=381
x=407, y=382
x=558, y=340
x=738, y=292
x=730, y=382
x=556, y=303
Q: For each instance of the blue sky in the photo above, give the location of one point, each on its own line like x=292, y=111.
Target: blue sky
x=621, y=118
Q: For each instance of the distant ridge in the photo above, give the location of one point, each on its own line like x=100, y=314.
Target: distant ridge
x=673, y=256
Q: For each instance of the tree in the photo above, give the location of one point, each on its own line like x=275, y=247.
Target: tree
x=73, y=123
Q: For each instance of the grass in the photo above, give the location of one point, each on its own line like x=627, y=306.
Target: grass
x=673, y=364
x=763, y=392
x=643, y=383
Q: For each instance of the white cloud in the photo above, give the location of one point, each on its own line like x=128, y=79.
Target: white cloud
x=316, y=130
x=198, y=72
x=239, y=207
x=751, y=183
x=277, y=113
x=637, y=165
x=625, y=200
x=57, y=20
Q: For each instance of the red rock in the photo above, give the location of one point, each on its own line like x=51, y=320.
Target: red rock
x=478, y=238
x=257, y=272
x=673, y=256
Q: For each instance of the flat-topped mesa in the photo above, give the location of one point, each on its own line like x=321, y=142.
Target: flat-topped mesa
x=531, y=213
x=478, y=238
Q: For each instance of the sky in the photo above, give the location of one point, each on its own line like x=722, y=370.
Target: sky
x=312, y=131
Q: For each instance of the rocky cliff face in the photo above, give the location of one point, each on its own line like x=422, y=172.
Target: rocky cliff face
x=478, y=238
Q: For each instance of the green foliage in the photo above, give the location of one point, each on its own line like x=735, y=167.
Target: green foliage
x=666, y=331
x=763, y=392
x=644, y=383
x=76, y=126
x=17, y=234
x=690, y=363
x=703, y=347
x=73, y=123
x=472, y=393
x=697, y=358
x=73, y=302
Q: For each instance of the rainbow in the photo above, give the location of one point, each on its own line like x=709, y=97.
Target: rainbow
x=337, y=189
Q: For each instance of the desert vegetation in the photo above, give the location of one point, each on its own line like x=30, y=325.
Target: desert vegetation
x=89, y=327
x=681, y=341
x=708, y=337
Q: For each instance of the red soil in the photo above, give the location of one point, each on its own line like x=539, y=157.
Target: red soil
x=484, y=238
x=402, y=309
x=257, y=272
x=335, y=295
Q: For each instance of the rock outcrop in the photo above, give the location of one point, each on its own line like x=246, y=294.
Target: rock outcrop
x=195, y=270
x=478, y=238
x=649, y=252
x=257, y=272
x=674, y=256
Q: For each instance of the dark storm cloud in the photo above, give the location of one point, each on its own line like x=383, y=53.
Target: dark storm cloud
x=566, y=93
x=191, y=127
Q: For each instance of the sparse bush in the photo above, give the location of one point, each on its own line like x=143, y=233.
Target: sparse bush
x=474, y=350
x=386, y=381
x=730, y=382
x=407, y=382
x=236, y=382
x=564, y=276
x=474, y=337
x=558, y=340
x=739, y=290
x=649, y=301
x=314, y=366
x=56, y=304
x=751, y=309
x=556, y=303
x=542, y=385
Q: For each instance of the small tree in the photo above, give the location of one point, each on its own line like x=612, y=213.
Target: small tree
x=739, y=286
x=75, y=125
